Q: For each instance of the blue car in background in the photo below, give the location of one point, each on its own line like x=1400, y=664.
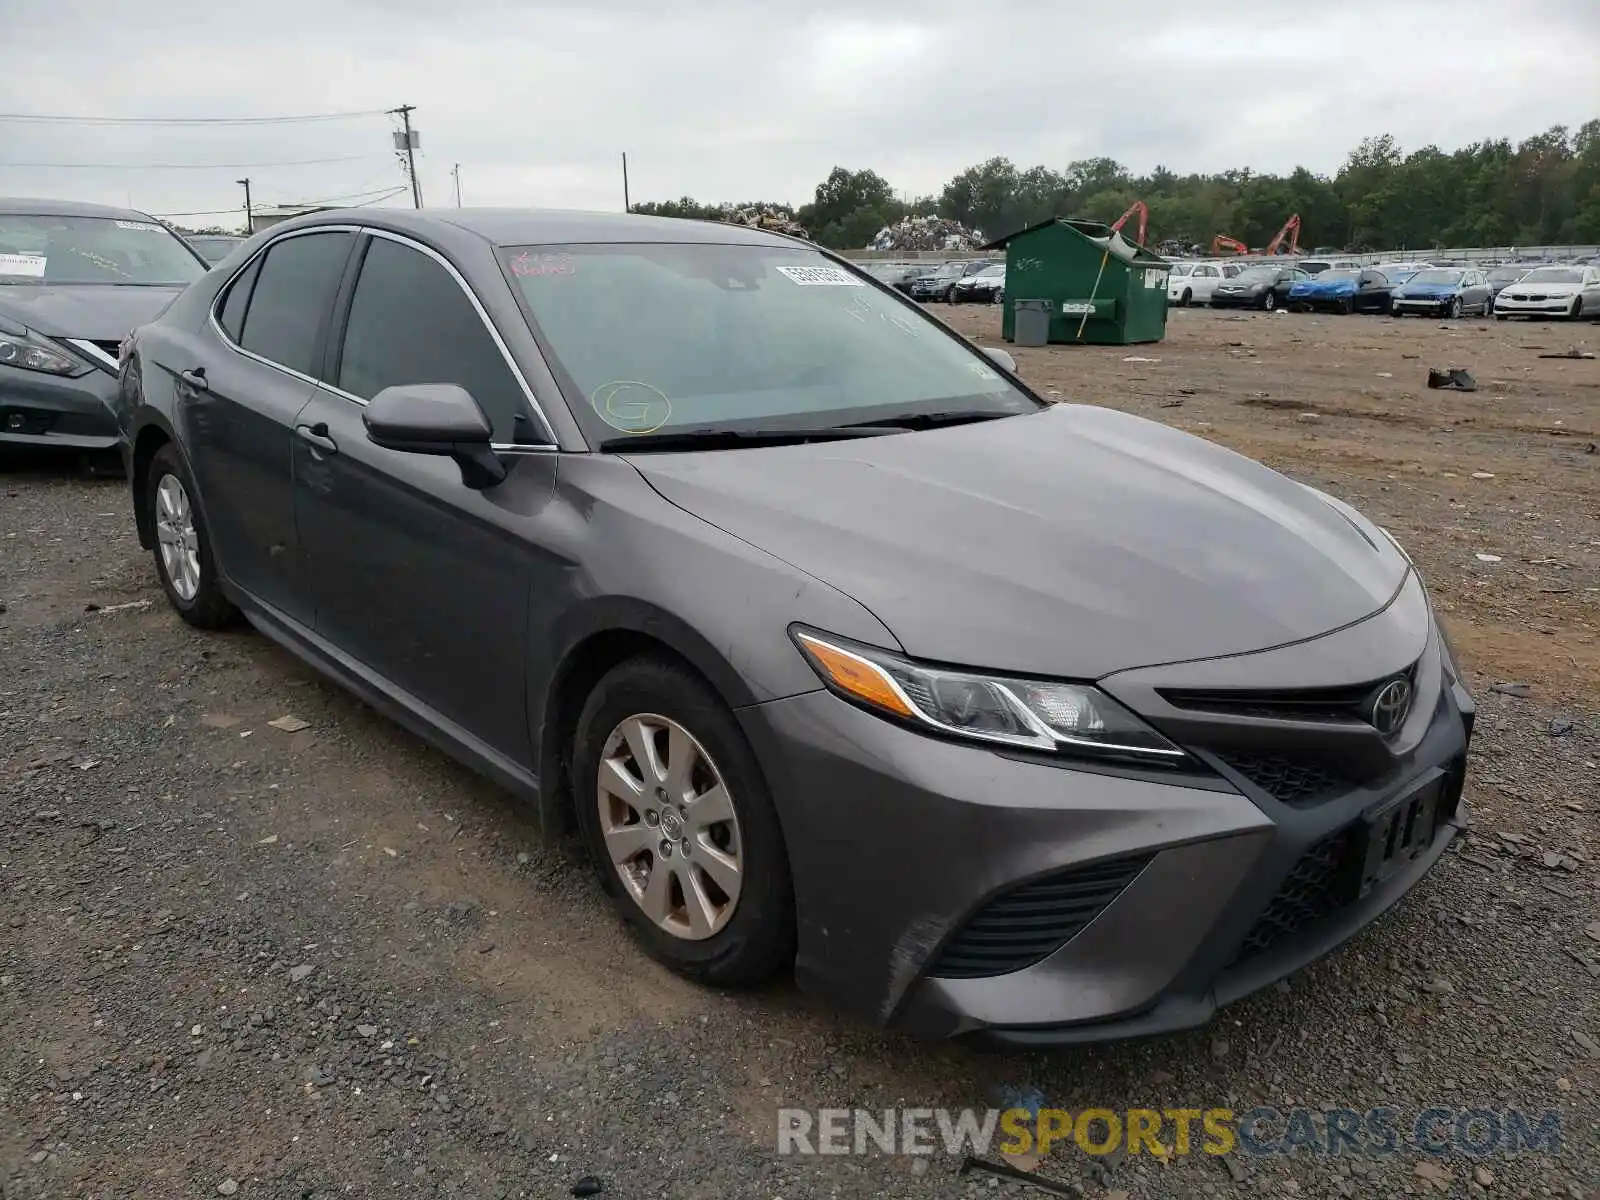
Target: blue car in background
x=1345, y=291
x=1445, y=292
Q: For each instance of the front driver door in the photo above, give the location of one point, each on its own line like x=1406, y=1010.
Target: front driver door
x=420, y=580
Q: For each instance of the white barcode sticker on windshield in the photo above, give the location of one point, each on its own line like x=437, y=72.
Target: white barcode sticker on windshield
x=144, y=226
x=28, y=266
x=820, y=276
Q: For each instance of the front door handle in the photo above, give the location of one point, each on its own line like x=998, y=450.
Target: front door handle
x=317, y=435
x=195, y=379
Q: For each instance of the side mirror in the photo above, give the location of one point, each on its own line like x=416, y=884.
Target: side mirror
x=436, y=418
x=1001, y=357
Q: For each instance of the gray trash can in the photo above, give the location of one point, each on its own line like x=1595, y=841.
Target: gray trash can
x=1032, y=322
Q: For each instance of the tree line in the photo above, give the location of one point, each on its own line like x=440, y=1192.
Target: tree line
x=1543, y=190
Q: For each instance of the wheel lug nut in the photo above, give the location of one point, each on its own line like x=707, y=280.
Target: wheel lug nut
x=651, y=816
x=685, y=847
x=666, y=848
x=661, y=794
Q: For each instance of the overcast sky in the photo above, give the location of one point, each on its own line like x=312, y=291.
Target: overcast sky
x=738, y=100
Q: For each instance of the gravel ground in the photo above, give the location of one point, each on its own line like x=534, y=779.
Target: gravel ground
x=242, y=959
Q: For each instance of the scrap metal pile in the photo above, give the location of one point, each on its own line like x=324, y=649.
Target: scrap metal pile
x=927, y=233
x=770, y=219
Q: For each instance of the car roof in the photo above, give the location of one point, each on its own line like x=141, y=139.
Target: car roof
x=22, y=206
x=536, y=227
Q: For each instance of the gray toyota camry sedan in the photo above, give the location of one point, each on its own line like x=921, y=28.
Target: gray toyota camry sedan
x=844, y=653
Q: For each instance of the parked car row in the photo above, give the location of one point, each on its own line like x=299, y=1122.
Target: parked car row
x=1394, y=289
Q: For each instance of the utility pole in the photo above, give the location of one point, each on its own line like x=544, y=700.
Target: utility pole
x=626, y=207
x=455, y=173
x=249, y=221
x=409, y=146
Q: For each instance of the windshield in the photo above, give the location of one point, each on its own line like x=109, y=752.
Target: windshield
x=1330, y=276
x=92, y=250
x=1258, y=274
x=995, y=272
x=655, y=337
x=1436, y=277
x=1182, y=268
x=1553, y=275
x=1505, y=274
x=214, y=249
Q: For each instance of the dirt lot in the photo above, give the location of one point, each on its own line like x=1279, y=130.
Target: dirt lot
x=236, y=959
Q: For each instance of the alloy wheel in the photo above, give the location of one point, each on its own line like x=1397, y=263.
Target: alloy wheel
x=669, y=826
x=1455, y=307
x=176, y=537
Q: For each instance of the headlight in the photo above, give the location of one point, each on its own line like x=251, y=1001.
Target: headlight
x=34, y=353
x=1064, y=718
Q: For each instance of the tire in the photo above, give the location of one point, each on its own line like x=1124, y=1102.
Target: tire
x=950, y=297
x=185, y=562
x=1183, y=301
x=1577, y=309
x=1347, y=306
x=1455, y=309
x=751, y=936
x=998, y=296
x=1269, y=302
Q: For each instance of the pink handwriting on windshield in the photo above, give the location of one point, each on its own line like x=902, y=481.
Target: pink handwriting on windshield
x=525, y=264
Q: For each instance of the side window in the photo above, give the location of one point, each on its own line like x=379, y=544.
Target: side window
x=410, y=322
x=231, y=315
x=293, y=291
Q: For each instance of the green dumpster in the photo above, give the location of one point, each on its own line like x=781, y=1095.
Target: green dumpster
x=1102, y=288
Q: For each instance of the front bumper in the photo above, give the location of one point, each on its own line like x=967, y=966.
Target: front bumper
x=53, y=412
x=1555, y=306
x=1221, y=299
x=902, y=846
x=1431, y=305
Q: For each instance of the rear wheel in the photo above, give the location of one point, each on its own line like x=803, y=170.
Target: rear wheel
x=681, y=828
x=183, y=554
x=999, y=295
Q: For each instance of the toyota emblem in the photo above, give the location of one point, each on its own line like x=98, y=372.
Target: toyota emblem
x=1391, y=706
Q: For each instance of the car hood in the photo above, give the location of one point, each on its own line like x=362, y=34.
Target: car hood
x=96, y=312
x=1546, y=289
x=1429, y=289
x=1070, y=543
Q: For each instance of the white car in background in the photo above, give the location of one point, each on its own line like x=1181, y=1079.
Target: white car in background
x=1193, y=283
x=1570, y=292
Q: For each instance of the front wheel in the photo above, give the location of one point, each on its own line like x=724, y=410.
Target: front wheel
x=1187, y=296
x=950, y=297
x=1577, y=309
x=185, y=562
x=678, y=820
x=1454, y=311
x=999, y=296
x=1269, y=302
x=1347, y=306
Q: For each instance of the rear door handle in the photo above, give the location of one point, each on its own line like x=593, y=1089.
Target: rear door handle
x=195, y=379
x=317, y=435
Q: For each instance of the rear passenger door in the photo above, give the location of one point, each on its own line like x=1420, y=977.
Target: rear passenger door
x=419, y=579
x=238, y=409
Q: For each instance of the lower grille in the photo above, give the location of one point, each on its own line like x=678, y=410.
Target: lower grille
x=1298, y=784
x=1316, y=888
x=1027, y=924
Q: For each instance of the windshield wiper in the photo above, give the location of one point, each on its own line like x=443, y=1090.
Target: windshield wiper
x=714, y=439
x=962, y=416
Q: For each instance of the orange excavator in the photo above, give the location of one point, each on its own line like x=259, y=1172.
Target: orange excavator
x=1140, y=207
x=1222, y=244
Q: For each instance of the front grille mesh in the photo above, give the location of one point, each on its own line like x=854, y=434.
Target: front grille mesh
x=1316, y=888
x=1297, y=783
x=1020, y=927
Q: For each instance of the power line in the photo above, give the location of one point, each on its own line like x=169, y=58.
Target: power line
x=51, y=118
x=374, y=198
x=303, y=162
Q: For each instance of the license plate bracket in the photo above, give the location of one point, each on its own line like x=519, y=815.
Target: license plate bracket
x=1396, y=833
